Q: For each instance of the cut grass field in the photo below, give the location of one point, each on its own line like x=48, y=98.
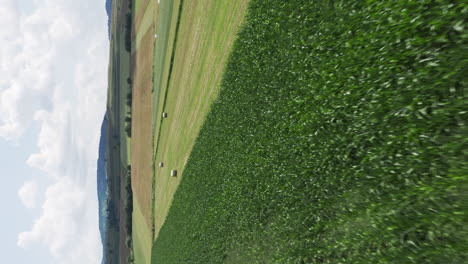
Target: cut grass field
x=165, y=23
x=338, y=136
x=142, y=241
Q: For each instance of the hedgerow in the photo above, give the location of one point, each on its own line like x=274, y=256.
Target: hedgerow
x=339, y=136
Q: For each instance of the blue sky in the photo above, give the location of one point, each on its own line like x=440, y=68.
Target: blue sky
x=53, y=81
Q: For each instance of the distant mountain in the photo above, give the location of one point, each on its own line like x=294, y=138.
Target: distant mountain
x=102, y=183
x=109, y=15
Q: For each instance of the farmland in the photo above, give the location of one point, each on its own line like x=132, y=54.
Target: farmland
x=146, y=24
x=338, y=136
x=302, y=132
x=188, y=56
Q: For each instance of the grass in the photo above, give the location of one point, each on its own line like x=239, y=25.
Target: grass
x=166, y=30
x=205, y=35
x=146, y=23
x=166, y=23
x=338, y=136
x=141, y=236
x=138, y=4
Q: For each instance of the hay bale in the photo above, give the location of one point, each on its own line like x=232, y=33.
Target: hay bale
x=174, y=173
x=164, y=115
x=161, y=164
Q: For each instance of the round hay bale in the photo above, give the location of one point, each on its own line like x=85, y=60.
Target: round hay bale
x=174, y=173
x=164, y=115
x=161, y=164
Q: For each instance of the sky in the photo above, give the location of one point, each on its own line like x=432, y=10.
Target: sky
x=53, y=85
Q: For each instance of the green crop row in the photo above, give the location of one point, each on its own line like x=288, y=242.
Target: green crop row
x=339, y=136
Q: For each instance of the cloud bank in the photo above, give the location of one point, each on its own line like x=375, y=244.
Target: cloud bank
x=53, y=77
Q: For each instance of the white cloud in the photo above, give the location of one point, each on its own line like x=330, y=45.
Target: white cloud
x=28, y=194
x=53, y=75
x=67, y=213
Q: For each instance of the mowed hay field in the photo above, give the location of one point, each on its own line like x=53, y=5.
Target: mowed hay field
x=339, y=136
x=204, y=39
x=147, y=18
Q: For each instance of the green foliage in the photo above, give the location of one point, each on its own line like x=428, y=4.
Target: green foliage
x=112, y=220
x=128, y=31
x=131, y=258
x=129, y=102
x=128, y=124
x=128, y=241
x=339, y=136
x=128, y=202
